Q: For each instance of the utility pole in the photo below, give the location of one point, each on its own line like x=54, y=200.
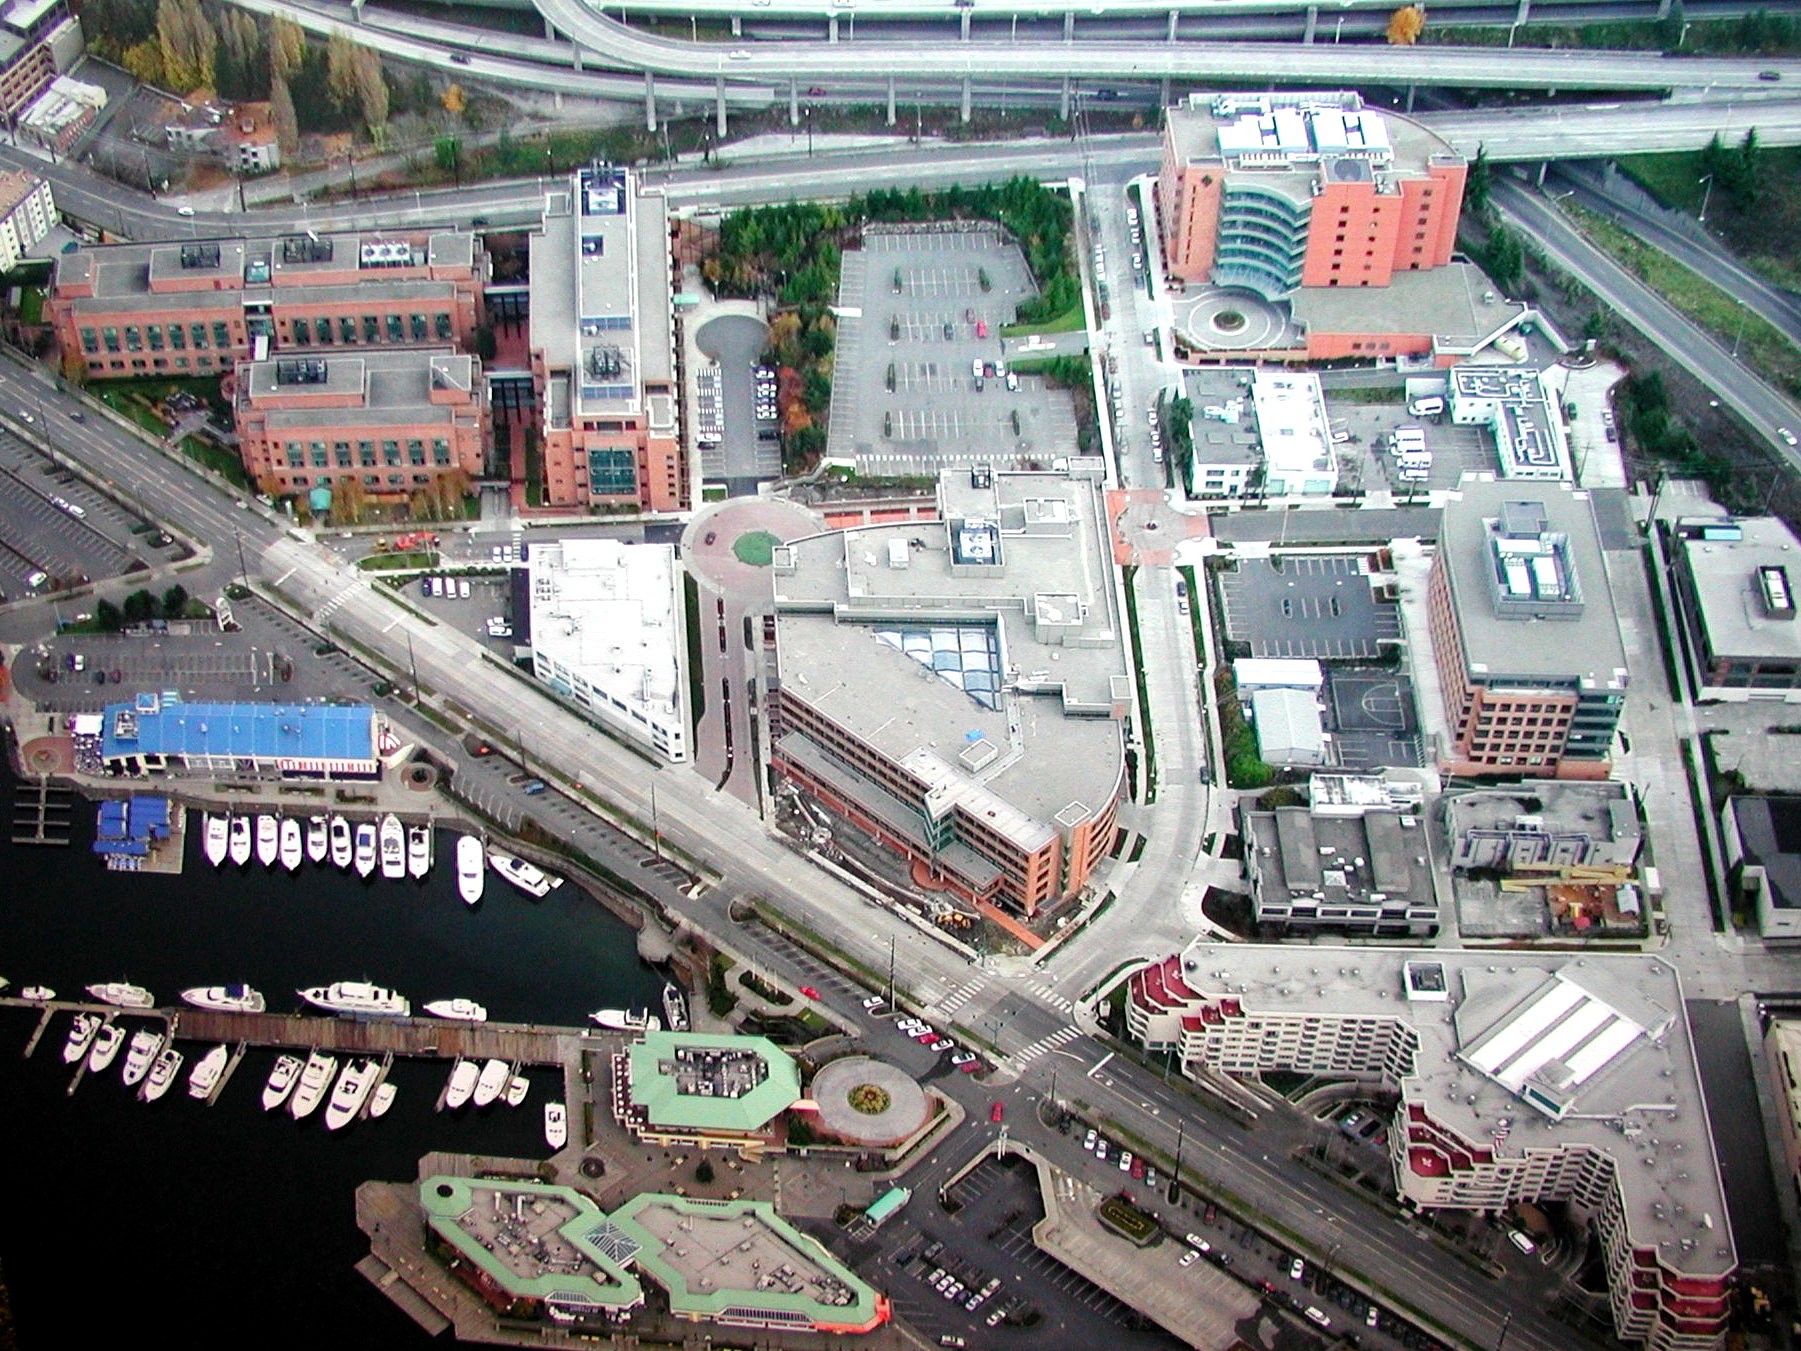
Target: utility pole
x=1506, y=1323
x=243, y=571
x=412, y=666
x=656, y=835
x=1175, y=1181
x=891, y=971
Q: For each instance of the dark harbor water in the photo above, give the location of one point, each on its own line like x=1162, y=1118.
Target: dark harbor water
x=179, y=1224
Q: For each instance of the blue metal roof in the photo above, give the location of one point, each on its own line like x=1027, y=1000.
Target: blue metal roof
x=262, y=731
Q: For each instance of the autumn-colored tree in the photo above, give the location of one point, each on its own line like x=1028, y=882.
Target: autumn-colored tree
x=349, y=500
x=371, y=88
x=145, y=60
x=1406, y=24
x=784, y=337
x=287, y=48
x=281, y=112
x=454, y=100
x=340, y=72
x=188, y=45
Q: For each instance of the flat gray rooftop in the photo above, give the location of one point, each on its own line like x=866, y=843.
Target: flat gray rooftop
x=1307, y=607
x=1456, y=304
x=1726, y=587
x=1371, y=525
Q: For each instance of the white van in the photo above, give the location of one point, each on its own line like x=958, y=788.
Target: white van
x=462, y=588
x=1430, y=406
x=1520, y=1241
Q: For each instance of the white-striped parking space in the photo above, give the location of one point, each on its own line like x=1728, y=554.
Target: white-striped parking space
x=1045, y=1044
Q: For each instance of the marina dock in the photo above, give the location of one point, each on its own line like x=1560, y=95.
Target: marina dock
x=41, y=813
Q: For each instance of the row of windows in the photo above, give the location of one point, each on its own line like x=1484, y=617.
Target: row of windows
x=374, y=328
x=202, y=363
x=297, y=453
x=175, y=336
x=373, y=482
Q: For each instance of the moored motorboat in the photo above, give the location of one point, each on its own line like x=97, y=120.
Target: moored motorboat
x=493, y=1079
x=382, y=1099
x=341, y=848
x=38, y=994
x=206, y=1072
x=240, y=840
x=357, y=997
x=463, y=1075
x=532, y=880
x=471, y=871
x=141, y=1054
x=418, y=851
x=217, y=838
x=226, y=998
x=675, y=1007
x=365, y=848
x=393, y=848
x=315, y=1078
x=268, y=840
x=107, y=1042
x=292, y=851
x=458, y=1010
x=81, y=1036
x=122, y=994
x=318, y=838
x=281, y=1081
x=627, y=1020
x=556, y=1125
x=517, y=1087
x=350, y=1093
x=162, y=1074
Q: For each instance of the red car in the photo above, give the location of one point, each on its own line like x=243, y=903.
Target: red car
x=808, y=992
x=1137, y=1169
x=996, y=1112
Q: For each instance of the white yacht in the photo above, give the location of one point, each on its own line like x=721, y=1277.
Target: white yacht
x=495, y=1076
x=315, y=1078
x=365, y=848
x=107, y=1042
x=470, y=870
x=38, y=994
x=281, y=1081
x=627, y=1020
x=517, y=1087
x=216, y=840
x=123, y=995
x=291, y=849
x=675, y=1007
x=205, y=1076
x=382, y=1099
x=340, y=842
x=350, y=1093
x=268, y=840
x=141, y=1054
x=162, y=1074
x=225, y=998
x=462, y=1083
x=357, y=997
x=240, y=840
x=556, y=1125
x=393, y=848
x=531, y=880
x=418, y=851
x=81, y=1036
x=318, y=838
x=458, y=1010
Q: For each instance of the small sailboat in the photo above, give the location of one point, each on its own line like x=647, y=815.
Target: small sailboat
x=81, y=1036
x=291, y=850
x=340, y=842
x=205, y=1076
x=281, y=1081
x=268, y=840
x=240, y=840
x=675, y=1007
x=318, y=838
x=418, y=851
x=365, y=848
x=556, y=1125
x=462, y=1084
x=106, y=1047
x=38, y=994
x=488, y=1085
x=162, y=1074
x=382, y=1099
x=142, y=1053
x=517, y=1087
x=471, y=870
x=393, y=848
x=458, y=1010
x=310, y=1091
x=216, y=839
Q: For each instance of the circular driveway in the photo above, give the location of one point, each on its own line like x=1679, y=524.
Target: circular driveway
x=1230, y=321
x=906, y=1110
x=709, y=539
x=735, y=341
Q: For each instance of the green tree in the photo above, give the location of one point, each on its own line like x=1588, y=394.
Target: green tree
x=139, y=606
x=188, y=45
x=107, y=617
x=175, y=601
x=1478, y=183
x=281, y=113
x=1503, y=259
x=1674, y=28
x=703, y=1172
x=485, y=344
x=287, y=48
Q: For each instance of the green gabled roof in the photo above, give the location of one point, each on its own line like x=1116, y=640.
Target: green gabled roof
x=655, y=1091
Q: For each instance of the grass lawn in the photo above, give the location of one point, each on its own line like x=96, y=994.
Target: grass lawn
x=1764, y=236
x=755, y=547
x=31, y=305
x=1072, y=320
x=1760, y=345
x=397, y=562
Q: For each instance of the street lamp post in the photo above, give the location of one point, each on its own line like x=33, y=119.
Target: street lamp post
x=1706, y=192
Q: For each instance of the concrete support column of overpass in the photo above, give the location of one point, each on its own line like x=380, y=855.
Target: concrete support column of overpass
x=1312, y=23
x=1172, y=25
x=1663, y=9
x=1063, y=101
x=1163, y=93
x=966, y=83
x=650, y=101
x=965, y=17
x=831, y=28
x=1069, y=25
x=576, y=59
x=891, y=100
x=737, y=26
x=550, y=31
x=1410, y=89
x=356, y=10
x=719, y=104
x=794, y=103
x=1523, y=13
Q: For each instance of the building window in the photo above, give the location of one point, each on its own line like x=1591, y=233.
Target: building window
x=303, y=333
x=178, y=337
x=346, y=330
x=371, y=328
x=396, y=333
x=612, y=473
x=155, y=333
x=418, y=328
x=390, y=452
x=365, y=456
x=134, y=341
x=440, y=451
x=443, y=323
x=340, y=453
x=90, y=341
x=221, y=333
x=415, y=452
x=198, y=333
x=322, y=327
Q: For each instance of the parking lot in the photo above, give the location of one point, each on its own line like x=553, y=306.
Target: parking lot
x=1307, y=607
x=1367, y=465
x=52, y=522
x=1371, y=715
x=921, y=378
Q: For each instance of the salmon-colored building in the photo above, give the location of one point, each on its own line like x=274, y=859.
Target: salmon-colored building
x=1275, y=192
x=391, y=420
x=603, y=354
x=198, y=307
